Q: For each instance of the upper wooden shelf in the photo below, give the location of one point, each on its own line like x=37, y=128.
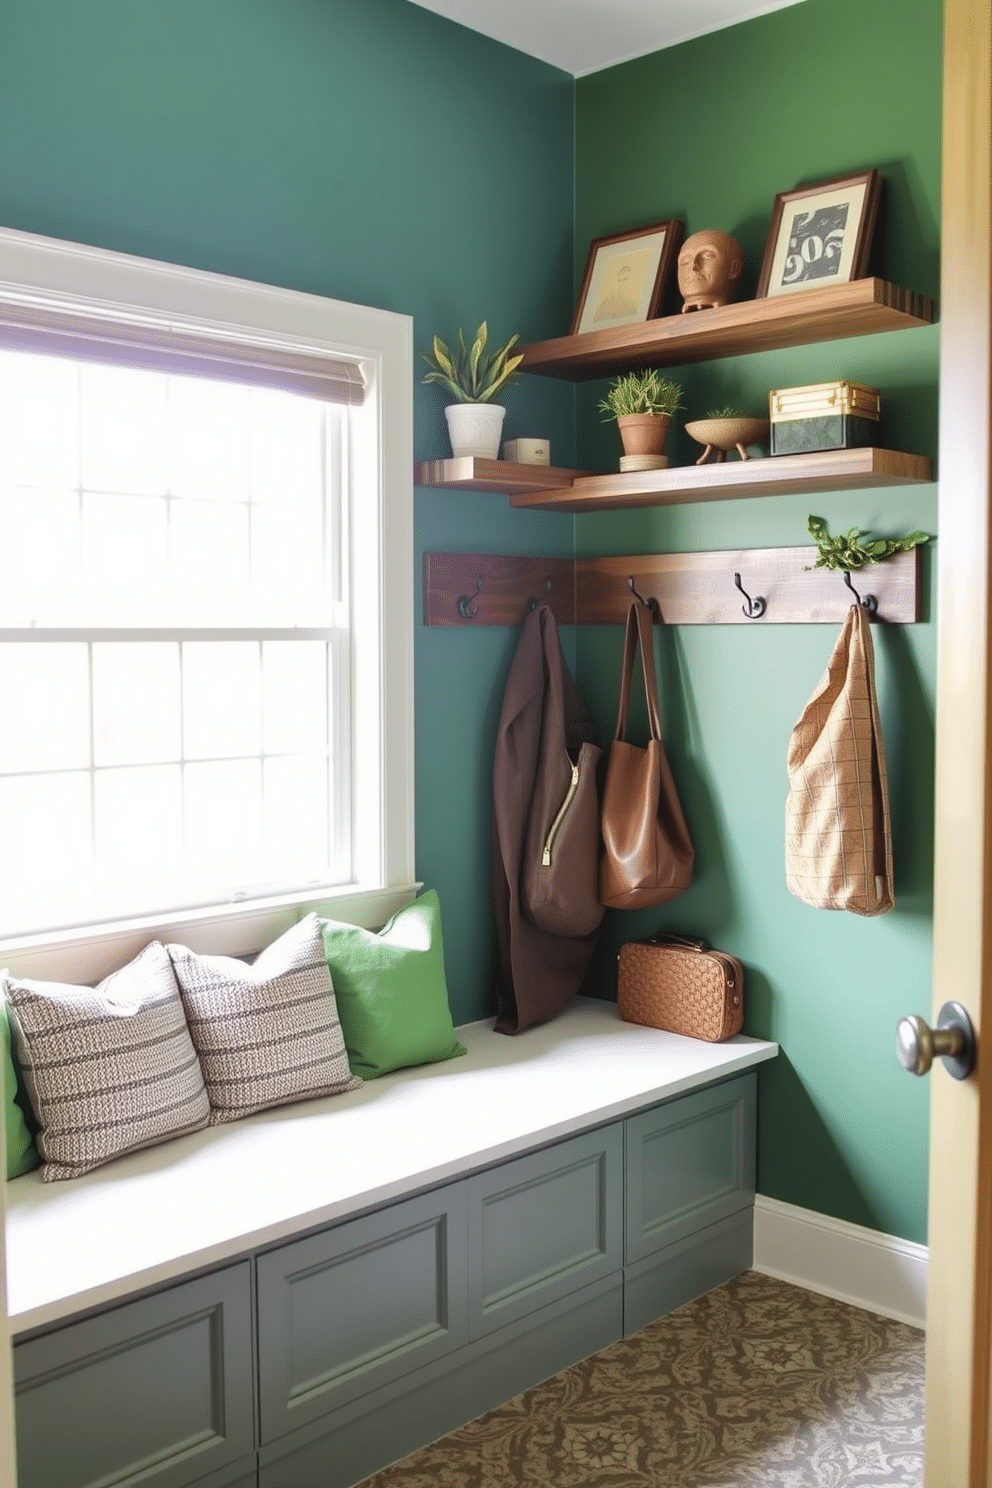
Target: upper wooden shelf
x=472, y=473
x=772, y=475
x=862, y=308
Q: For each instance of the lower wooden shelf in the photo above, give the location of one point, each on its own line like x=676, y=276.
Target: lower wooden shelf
x=471, y=473
x=773, y=475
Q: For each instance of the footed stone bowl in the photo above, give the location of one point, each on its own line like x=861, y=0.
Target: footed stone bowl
x=724, y=434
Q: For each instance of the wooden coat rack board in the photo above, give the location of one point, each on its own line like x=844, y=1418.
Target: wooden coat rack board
x=752, y=586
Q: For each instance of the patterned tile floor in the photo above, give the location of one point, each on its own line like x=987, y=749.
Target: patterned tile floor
x=756, y=1385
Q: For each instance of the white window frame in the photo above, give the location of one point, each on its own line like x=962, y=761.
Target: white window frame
x=73, y=278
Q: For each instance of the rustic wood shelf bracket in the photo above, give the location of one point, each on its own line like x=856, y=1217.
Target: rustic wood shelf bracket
x=778, y=585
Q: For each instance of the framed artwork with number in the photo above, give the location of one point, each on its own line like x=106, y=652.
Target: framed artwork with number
x=626, y=276
x=820, y=234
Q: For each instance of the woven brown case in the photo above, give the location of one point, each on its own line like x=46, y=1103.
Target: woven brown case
x=683, y=988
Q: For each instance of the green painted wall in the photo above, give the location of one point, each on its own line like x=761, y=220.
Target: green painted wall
x=363, y=149
x=368, y=150
x=710, y=131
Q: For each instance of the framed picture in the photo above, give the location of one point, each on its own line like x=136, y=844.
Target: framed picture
x=626, y=276
x=820, y=234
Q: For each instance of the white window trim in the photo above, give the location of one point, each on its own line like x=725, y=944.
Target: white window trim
x=75, y=278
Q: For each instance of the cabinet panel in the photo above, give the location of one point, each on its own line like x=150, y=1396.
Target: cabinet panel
x=543, y=1226
x=158, y=1391
x=689, y=1162
x=343, y=1312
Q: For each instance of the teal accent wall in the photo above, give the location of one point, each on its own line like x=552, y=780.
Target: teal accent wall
x=371, y=151
x=710, y=131
x=363, y=149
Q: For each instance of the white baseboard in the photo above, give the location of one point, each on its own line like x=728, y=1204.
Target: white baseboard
x=878, y=1272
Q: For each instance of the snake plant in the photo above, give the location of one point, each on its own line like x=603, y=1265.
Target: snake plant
x=468, y=374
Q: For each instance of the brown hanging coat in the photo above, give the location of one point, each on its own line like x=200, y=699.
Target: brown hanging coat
x=544, y=786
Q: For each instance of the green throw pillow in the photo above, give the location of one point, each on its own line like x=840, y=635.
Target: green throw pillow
x=22, y=1155
x=391, y=991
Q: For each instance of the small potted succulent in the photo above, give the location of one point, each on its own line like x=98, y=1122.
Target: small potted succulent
x=642, y=404
x=473, y=378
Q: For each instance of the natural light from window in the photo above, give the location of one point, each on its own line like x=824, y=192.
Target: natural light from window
x=173, y=673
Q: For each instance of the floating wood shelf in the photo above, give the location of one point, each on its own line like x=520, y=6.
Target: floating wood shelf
x=861, y=308
x=775, y=475
x=470, y=473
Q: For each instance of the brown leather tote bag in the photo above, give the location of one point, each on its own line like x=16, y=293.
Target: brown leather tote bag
x=648, y=854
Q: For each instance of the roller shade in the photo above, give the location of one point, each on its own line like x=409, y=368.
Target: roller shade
x=159, y=346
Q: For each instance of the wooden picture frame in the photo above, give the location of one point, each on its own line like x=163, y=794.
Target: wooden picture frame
x=820, y=234
x=626, y=276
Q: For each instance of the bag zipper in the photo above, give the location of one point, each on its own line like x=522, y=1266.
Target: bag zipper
x=553, y=829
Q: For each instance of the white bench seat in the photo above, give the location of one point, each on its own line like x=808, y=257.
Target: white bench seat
x=191, y=1203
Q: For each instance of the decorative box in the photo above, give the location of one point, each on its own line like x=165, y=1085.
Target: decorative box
x=527, y=451
x=823, y=416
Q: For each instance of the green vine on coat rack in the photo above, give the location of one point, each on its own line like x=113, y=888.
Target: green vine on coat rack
x=848, y=552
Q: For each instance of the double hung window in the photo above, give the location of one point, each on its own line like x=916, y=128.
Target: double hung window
x=204, y=499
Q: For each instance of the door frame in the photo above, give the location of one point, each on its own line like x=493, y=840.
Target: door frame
x=959, y=1312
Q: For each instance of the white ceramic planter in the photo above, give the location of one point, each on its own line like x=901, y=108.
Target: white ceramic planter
x=475, y=428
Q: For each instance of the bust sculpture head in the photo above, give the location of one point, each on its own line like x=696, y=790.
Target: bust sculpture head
x=710, y=266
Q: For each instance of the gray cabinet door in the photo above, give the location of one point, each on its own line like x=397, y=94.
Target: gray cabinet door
x=349, y=1309
x=690, y=1162
x=543, y=1226
x=157, y=1391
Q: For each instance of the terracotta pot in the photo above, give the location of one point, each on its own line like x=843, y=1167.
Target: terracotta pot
x=643, y=433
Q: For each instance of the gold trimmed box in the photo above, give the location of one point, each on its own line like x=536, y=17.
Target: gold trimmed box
x=824, y=416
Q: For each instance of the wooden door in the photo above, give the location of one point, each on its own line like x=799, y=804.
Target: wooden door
x=959, y=1324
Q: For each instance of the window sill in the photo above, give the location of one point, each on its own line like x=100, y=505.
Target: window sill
x=85, y=954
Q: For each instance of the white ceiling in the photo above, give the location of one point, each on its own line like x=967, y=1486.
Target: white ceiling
x=583, y=36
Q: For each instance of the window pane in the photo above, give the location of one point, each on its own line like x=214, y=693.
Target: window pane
x=296, y=818
x=135, y=809
x=39, y=420
x=136, y=703
x=210, y=563
x=294, y=696
x=221, y=699
x=125, y=567
x=223, y=823
x=45, y=851
x=287, y=449
x=39, y=556
x=45, y=717
x=208, y=439
x=288, y=568
x=123, y=430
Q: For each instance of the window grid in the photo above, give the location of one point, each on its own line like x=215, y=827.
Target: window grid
x=323, y=754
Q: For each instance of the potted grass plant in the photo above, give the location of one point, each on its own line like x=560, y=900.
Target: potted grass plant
x=473, y=377
x=642, y=404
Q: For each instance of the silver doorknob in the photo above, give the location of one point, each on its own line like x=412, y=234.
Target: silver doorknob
x=953, y=1041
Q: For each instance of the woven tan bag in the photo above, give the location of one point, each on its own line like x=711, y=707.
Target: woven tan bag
x=679, y=984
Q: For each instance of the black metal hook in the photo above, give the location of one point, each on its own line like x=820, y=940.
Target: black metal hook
x=868, y=602
x=465, y=606
x=532, y=604
x=754, y=607
x=652, y=603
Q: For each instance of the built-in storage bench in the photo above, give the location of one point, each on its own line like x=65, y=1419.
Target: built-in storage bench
x=297, y=1299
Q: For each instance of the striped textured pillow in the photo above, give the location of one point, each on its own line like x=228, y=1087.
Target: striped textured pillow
x=108, y=1069
x=267, y=1033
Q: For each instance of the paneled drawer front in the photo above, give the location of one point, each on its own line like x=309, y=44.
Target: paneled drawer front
x=543, y=1226
x=156, y=1392
x=347, y=1310
x=690, y=1162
